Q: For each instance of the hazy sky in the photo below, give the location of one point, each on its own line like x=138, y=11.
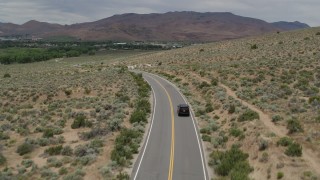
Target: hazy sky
x=77, y=11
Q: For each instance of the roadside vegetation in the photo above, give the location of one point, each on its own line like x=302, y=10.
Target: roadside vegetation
x=251, y=93
x=66, y=118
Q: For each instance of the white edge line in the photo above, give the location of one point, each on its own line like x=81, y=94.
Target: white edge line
x=145, y=147
x=193, y=121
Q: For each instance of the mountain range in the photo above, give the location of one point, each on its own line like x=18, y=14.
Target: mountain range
x=171, y=26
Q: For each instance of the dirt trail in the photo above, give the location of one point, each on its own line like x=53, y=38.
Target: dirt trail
x=310, y=157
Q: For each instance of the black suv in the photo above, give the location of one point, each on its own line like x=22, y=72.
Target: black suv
x=183, y=110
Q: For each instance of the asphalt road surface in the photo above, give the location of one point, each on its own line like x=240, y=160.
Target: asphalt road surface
x=172, y=149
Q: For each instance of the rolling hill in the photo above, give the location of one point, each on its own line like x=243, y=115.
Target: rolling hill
x=171, y=26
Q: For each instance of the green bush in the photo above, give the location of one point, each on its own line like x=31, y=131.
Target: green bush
x=209, y=108
x=232, y=109
x=4, y=136
x=6, y=75
x=125, y=146
x=254, y=46
x=47, y=133
x=280, y=175
x=68, y=92
x=67, y=151
x=235, y=132
x=77, y=175
x=144, y=105
x=204, y=84
x=3, y=159
x=63, y=171
x=206, y=138
x=27, y=163
x=80, y=121
x=123, y=176
x=24, y=148
x=318, y=33
x=54, y=150
x=248, y=115
x=294, y=149
x=138, y=116
x=284, y=141
x=276, y=118
x=206, y=130
x=294, y=126
x=314, y=99
x=232, y=162
x=263, y=144
x=214, y=82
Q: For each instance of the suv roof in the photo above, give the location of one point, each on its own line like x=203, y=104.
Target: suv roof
x=183, y=105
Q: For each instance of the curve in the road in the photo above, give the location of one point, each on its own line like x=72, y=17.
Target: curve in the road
x=153, y=161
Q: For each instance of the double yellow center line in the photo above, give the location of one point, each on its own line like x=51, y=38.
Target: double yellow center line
x=172, y=133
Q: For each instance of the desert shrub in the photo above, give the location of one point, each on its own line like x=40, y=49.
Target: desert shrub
x=284, y=141
x=204, y=84
x=25, y=148
x=80, y=121
x=68, y=92
x=248, y=115
x=209, y=107
x=275, y=118
x=122, y=97
x=294, y=149
x=214, y=82
x=254, y=46
x=143, y=87
x=21, y=170
x=48, y=174
x=96, y=143
x=202, y=73
x=318, y=33
x=77, y=175
x=106, y=171
x=125, y=146
x=47, y=133
x=54, y=162
x=235, y=132
x=144, y=105
x=114, y=124
x=232, y=162
x=87, y=90
x=206, y=138
x=263, y=144
x=81, y=150
x=3, y=159
x=63, y=170
x=4, y=136
x=85, y=160
x=27, y=163
x=232, y=109
x=54, y=150
x=314, y=99
x=200, y=112
x=205, y=130
x=6, y=75
x=123, y=176
x=294, y=126
x=67, y=151
x=138, y=116
x=97, y=131
x=280, y=175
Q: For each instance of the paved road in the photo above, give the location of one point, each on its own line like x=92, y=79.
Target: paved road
x=172, y=149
